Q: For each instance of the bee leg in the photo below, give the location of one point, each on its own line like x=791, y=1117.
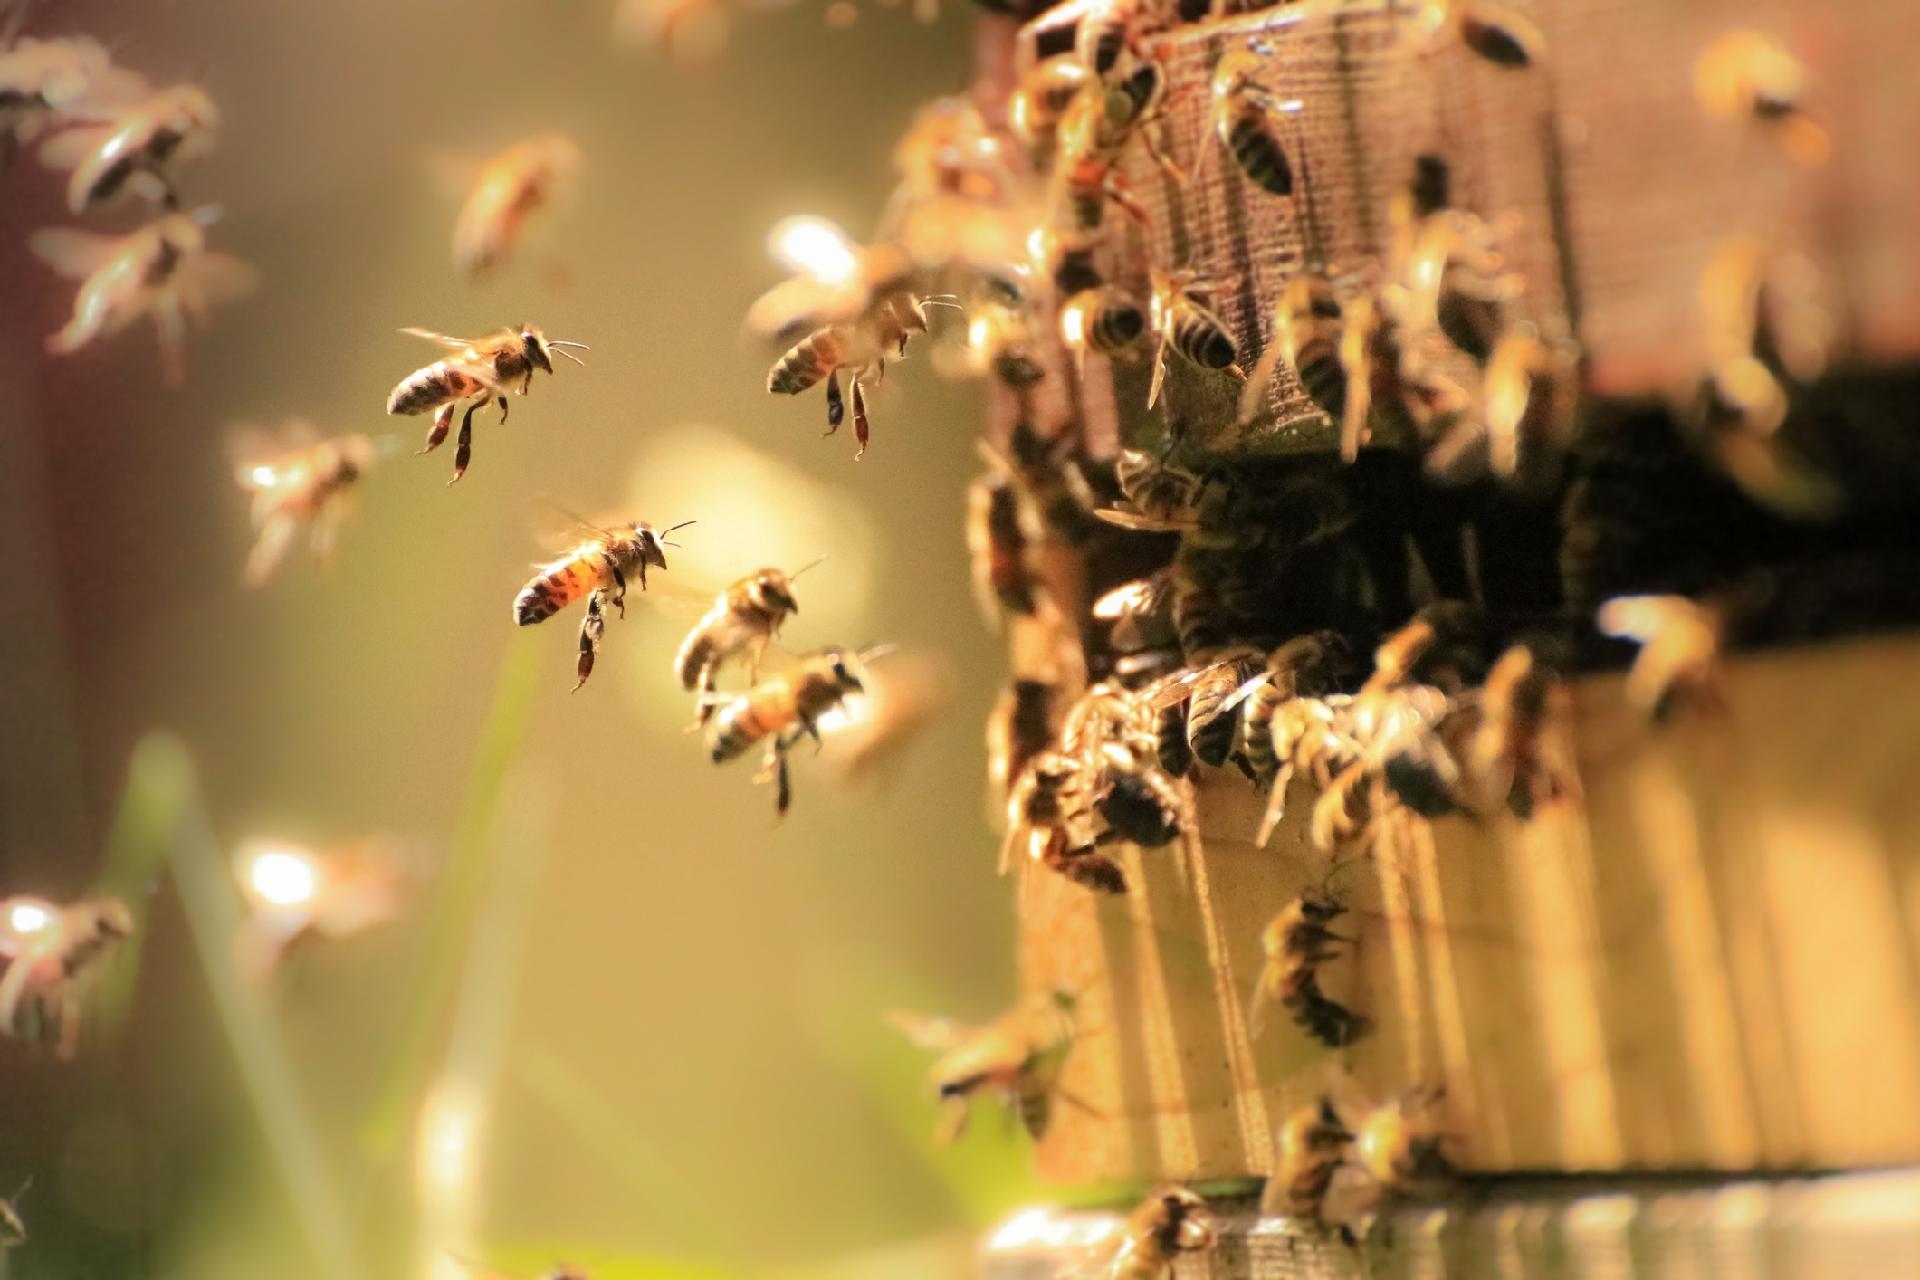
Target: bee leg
x=170, y=324
x=463, y=449
x=1276, y=803
x=703, y=708
x=836, y=407
x=437, y=434
x=620, y=583
x=503, y=407
x=592, y=627
x=861, y=426
x=783, y=786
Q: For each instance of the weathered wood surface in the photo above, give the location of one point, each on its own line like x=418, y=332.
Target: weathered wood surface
x=1711, y=962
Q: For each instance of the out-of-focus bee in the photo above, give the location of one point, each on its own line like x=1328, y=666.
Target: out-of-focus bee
x=1106, y=320
x=1242, y=116
x=481, y=369
x=138, y=152
x=743, y=621
x=1000, y=341
x=52, y=952
x=1306, y=735
x=780, y=711
x=1309, y=1148
x=1058, y=502
x=1401, y=1145
x=1003, y=578
x=1522, y=698
x=1019, y=728
x=1307, y=666
x=1172, y=1220
x=1444, y=644
x=1747, y=76
x=901, y=696
x=1017, y=1057
x=1680, y=642
x=1529, y=396
x=1099, y=124
x=561, y=1272
x=948, y=150
x=835, y=280
x=1457, y=282
x=1306, y=334
x=1139, y=802
x=309, y=487
x=1400, y=729
x=1155, y=495
x=164, y=270
x=860, y=349
x=1048, y=819
x=1296, y=943
x=1109, y=29
x=598, y=568
x=1378, y=378
x=1040, y=100
x=1489, y=30
x=45, y=83
x=1068, y=259
x=1182, y=324
x=1139, y=615
x=512, y=187
x=298, y=894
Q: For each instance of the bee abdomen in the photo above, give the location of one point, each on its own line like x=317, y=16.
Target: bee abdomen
x=546, y=595
x=1260, y=155
x=736, y=728
x=1203, y=339
x=423, y=391
x=805, y=363
x=1116, y=325
x=1322, y=377
x=696, y=653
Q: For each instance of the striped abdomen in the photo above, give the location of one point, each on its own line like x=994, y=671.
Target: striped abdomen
x=1310, y=339
x=1257, y=152
x=752, y=716
x=1107, y=320
x=429, y=388
x=1210, y=732
x=807, y=361
x=559, y=585
x=1199, y=335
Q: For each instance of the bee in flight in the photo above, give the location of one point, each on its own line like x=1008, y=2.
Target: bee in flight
x=481, y=369
x=597, y=568
x=51, y=952
x=512, y=187
x=164, y=270
x=743, y=620
x=1017, y=1056
x=137, y=152
x=47, y=83
x=783, y=709
x=308, y=487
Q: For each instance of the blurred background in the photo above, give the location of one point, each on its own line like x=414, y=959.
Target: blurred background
x=627, y=1020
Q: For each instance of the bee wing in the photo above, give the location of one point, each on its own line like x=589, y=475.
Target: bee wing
x=1142, y=596
x=75, y=254
x=822, y=250
x=934, y=1034
x=209, y=279
x=804, y=303
x=66, y=149
x=1142, y=523
x=108, y=95
x=456, y=344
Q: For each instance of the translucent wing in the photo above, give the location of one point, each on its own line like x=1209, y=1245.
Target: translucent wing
x=66, y=149
x=75, y=254
x=934, y=1034
x=456, y=344
x=1141, y=523
x=804, y=303
x=208, y=279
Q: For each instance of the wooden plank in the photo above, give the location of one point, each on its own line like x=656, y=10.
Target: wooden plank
x=1708, y=962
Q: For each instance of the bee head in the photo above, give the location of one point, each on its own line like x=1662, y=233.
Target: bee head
x=840, y=667
x=775, y=589
x=536, y=344
x=115, y=919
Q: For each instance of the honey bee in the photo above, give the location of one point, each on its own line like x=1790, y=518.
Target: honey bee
x=1310, y=1147
x=52, y=953
x=1521, y=697
x=1000, y=340
x=1306, y=335
x=481, y=369
x=1105, y=320
x=1048, y=818
x=1747, y=76
x=1017, y=1057
x=948, y=150
x=1444, y=644
x=1680, y=642
x=1109, y=29
x=1309, y=735
x=1155, y=495
x=1057, y=502
x=46, y=83
x=1212, y=725
x=1242, y=115
x=1019, y=728
x=164, y=270
x=138, y=152
x=309, y=487
x=1140, y=618
x=780, y=711
x=1378, y=376
x=298, y=895
x=743, y=620
x=512, y=187
x=1296, y=942
x=1003, y=579
x=597, y=567
x=835, y=280
x=1489, y=30
x=1401, y=731
x=1172, y=1220
x=1304, y=667
x=901, y=697
x=1094, y=133
x=1530, y=397
x=1180, y=323
x=1040, y=100
x=1067, y=258
x=1139, y=802
x=1401, y=1146
x=858, y=348
x=1456, y=282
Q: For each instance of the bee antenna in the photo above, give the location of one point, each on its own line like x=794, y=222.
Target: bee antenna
x=561, y=342
x=25, y=1187
x=558, y=349
x=817, y=560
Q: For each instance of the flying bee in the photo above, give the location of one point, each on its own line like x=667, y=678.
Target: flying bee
x=743, y=621
x=598, y=568
x=901, y=697
x=164, y=270
x=1306, y=335
x=1242, y=116
x=1003, y=577
x=1306, y=666
x=309, y=487
x=46, y=83
x=481, y=369
x=1017, y=1057
x=298, y=895
x=1401, y=1145
x=835, y=281
x=1490, y=31
x=860, y=349
x=1309, y=1148
x=1172, y=1220
x=780, y=711
x=1680, y=642
x=1105, y=320
x=138, y=152
x=511, y=188
x=1521, y=698
x=52, y=953
x=1180, y=323
x=1747, y=76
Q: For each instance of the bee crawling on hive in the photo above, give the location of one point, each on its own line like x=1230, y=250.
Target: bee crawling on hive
x=164, y=270
x=137, y=151
x=1496, y=33
x=1307, y=666
x=1402, y=1146
x=1242, y=115
x=1680, y=643
x=1297, y=942
x=598, y=568
x=1521, y=703
x=742, y=622
x=1309, y=1150
x=1181, y=323
x=481, y=369
x=1171, y=1221
x=1017, y=1057
x=52, y=954
x=784, y=708
x=306, y=486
